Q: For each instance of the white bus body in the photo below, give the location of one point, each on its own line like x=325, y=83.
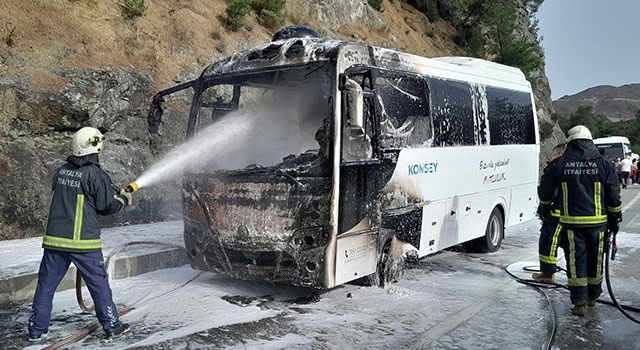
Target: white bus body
x=614, y=146
x=410, y=155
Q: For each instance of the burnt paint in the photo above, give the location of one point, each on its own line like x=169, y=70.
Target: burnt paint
x=258, y=225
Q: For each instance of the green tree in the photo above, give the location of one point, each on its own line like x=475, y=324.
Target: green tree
x=601, y=126
x=376, y=4
x=269, y=12
x=633, y=131
x=503, y=44
x=237, y=10
x=487, y=29
x=133, y=8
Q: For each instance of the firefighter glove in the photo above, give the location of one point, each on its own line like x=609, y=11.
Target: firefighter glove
x=613, y=227
x=613, y=222
x=127, y=196
x=544, y=211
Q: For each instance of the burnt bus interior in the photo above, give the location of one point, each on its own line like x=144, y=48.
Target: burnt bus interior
x=260, y=210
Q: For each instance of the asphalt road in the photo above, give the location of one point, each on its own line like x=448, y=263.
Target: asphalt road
x=452, y=300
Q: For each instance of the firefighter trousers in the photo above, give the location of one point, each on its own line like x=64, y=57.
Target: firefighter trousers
x=585, y=260
x=550, y=240
x=53, y=267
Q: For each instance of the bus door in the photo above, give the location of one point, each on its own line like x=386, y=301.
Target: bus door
x=357, y=242
x=392, y=115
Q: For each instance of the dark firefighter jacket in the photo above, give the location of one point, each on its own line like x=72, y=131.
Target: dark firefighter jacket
x=81, y=192
x=588, y=187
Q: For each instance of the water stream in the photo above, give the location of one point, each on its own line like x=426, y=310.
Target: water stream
x=206, y=145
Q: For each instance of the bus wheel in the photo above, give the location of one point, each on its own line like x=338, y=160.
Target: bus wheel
x=395, y=257
x=493, y=234
x=372, y=280
x=381, y=276
x=377, y=279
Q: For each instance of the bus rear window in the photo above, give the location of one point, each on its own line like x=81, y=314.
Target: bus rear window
x=510, y=117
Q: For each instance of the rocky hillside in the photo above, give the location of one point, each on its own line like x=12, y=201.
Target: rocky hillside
x=616, y=103
x=65, y=64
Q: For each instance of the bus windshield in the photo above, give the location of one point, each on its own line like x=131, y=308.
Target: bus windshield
x=614, y=150
x=613, y=146
x=282, y=114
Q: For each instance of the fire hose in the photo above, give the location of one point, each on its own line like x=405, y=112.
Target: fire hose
x=612, y=249
x=79, y=297
x=90, y=329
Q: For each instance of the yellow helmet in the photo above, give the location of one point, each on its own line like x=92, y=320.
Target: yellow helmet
x=86, y=141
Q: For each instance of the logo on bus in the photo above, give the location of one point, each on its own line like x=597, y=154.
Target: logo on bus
x=424, y=168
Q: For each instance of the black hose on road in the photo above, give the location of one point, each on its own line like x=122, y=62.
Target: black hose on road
x=79, y=297
x=620, y=307
x=90, y=329
x=539, y=286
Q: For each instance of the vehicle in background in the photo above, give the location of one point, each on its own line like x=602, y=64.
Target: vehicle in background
x=360, y=157
x=614, y=146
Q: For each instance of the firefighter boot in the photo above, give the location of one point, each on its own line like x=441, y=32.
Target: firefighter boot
x=578, y=310
x=544, y=277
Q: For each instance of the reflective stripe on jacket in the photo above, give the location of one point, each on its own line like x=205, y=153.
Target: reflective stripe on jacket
x=81, y=191
x=589, y=192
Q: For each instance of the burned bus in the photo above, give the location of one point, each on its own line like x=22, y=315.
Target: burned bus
x=360, y=157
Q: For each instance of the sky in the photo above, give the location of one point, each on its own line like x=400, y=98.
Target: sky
x=589, y=43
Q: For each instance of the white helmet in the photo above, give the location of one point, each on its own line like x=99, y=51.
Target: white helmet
x=86, y=141
x=579, y=132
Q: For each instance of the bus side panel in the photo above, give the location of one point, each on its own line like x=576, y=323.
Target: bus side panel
x=438, y=227
x=474, y=210
x=458, y=188
x=356, y=256
x=461, y=219
x=523, y=205
x=432, y=174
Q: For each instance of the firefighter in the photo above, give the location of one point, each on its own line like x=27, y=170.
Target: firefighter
x=588, y=206
x=549, y=238
x=81, y=192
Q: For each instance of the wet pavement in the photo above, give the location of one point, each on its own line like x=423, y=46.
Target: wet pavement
x=452, y=300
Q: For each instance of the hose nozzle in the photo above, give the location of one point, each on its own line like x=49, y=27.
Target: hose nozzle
x=132, y=187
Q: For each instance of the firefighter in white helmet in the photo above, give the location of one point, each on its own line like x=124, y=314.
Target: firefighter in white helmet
x=82, y=192
x=587, y=206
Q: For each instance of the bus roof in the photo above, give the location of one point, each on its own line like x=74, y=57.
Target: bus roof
x=469, y=69
x=345, y=53
x=611, y=139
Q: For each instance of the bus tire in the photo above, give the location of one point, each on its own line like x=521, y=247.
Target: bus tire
x=493, y=234
x=372, y=280
x=381, y=276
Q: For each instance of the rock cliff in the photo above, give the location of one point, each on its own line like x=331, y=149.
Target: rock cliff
x=65, y=64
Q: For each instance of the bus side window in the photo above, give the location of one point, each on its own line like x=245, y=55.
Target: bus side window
x=404, y=110
x=510, y=117
x=452, y=112
x=357, y=118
